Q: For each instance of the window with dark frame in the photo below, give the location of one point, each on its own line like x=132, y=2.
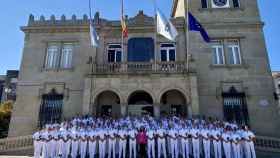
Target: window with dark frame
x=114, y=53
x=236, y=3
x=204, y=4
x=168, y=52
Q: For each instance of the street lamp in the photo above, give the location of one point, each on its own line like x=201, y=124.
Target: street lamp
x=7, y=91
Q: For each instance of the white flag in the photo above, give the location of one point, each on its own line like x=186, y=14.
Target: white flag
x=93, y=35
x=165, y=27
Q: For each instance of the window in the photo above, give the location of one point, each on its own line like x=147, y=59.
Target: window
x=204, y=4
x=236, y=3
x=114, y=53
x=168, y=52
x=51, y=108
x=140, y=49
x=66, y=57
x=52, y=56
x=234, y=53
x=218, y=53
x=59, y=55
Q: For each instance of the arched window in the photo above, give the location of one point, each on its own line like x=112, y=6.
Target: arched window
x=51, y=108
x=235, y=107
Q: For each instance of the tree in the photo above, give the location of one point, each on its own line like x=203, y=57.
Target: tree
x=5, y=116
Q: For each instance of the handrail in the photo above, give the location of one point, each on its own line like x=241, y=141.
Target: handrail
x=140, y=67
x=16, y=143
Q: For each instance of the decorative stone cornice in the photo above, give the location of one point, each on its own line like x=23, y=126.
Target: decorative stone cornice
x=52, y=25
x=135, y=24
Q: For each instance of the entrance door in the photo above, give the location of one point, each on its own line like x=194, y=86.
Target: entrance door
x=140, y=103
x=140, y=110
x=235, y=107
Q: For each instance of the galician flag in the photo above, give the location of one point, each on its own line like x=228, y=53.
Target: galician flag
x=165, y=27
x=93, y=35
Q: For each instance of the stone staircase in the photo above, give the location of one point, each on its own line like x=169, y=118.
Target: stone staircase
x=23, y=145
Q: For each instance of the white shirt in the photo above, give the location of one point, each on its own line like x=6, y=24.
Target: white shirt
x=150, y=134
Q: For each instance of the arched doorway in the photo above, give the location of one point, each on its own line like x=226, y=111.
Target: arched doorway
x=107, y=104
x=173, y=102
x=140, y=103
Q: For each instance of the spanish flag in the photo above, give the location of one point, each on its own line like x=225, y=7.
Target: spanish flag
x=124, y=27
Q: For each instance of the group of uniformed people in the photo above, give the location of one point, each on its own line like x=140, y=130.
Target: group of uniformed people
x=168, y=137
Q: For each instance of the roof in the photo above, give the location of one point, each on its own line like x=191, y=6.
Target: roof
x=174, y=7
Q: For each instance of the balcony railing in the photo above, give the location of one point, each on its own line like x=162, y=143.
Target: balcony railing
x=140, y=67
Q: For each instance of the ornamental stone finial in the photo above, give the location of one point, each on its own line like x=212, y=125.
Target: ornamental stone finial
x=74, y=17
x=63, y=18
x=31, y=19
x=96, y=17
x=42, y=18
x=85, y=17
x=52, y=19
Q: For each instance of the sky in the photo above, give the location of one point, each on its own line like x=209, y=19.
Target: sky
x=15, y=13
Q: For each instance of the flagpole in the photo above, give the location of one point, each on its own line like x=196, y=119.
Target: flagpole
x=92, y=66
x=187, y=33
x=122, y=18
x=155, y=35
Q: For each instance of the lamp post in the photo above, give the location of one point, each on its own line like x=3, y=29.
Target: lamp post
x=7, y=91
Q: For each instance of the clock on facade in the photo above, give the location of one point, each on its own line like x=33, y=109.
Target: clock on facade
x=220, y=3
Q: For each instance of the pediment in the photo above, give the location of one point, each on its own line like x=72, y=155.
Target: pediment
x=141, y=19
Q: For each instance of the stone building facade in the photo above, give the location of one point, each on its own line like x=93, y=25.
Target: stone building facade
x=276, y=77
x=62, y=76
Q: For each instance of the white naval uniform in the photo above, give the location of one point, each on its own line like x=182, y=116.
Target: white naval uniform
x=151, y=143
x=38, y=144
x=161, y=142
x=226, y=144
x=132, y=143
x=173, y=133
x=65, y=143
x=102, y=143
x=183, y=133
x=50, y=145
x=206, y=142
x=195, y=142
x=55, y=144
x=45, y=153
x=216, y=134
x=249, y=144
x=74, y=143
x=83, y=144
x=236, y=145
x=112, y=143
x=122, y=143
x=92, y=144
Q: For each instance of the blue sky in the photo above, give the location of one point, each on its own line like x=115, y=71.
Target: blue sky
x=14, y=13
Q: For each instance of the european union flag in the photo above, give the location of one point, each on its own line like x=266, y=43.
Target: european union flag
x=194, y=25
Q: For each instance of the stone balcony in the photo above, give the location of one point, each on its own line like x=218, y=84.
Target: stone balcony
x=141, y=68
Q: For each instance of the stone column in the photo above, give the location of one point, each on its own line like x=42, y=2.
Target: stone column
x=194, y=95
x=124, y=109
x=157, y=110
x=86, y=96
